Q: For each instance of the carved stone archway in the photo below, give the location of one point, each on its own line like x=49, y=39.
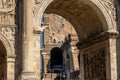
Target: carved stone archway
x=102, y=7
x=105, y=12
x=7, y=45
x=10, y=57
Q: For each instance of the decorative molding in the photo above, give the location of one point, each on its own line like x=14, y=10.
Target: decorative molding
x=11, y=58
x=38, y=30
x=36, y=6
x=111, y=34
x=6, y=42
x=7, y=19
x=110, y=8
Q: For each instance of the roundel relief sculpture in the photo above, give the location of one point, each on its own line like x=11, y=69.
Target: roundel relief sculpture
x=7, y=5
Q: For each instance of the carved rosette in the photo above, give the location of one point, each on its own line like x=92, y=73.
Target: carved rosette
x=109, y=6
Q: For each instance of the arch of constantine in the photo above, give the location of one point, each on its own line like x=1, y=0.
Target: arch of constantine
x=59, y=40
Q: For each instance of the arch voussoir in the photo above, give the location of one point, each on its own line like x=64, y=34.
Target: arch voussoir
x=7, y=45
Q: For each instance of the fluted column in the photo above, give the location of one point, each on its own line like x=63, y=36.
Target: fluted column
x=27, y=40
x=27, y=36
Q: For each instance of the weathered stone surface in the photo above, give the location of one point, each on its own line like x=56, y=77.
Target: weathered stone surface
x=95, y=23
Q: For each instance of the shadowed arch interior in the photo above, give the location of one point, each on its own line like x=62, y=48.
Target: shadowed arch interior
x=56, y=57
x=3, y=64
x=86, y=20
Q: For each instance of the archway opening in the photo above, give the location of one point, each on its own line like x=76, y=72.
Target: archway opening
x=3, y=62
x=87, y=20
x=85, y=17
x=57, y=33
x=56, y=59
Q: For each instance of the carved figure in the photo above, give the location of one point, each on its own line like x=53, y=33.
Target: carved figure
x=4, y=3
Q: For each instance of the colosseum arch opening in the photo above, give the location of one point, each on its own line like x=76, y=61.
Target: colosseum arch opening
x=59, y=34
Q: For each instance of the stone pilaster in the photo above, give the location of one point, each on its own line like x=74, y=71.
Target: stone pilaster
x=112, y=60
x=36, y=51
x=10, y=67
x=75, y=52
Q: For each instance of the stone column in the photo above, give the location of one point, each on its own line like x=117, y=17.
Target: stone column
x=75, y=52
x=36, y=52
x=27, y=42
x=10, y=67
x=75, y=58
x=46, y=58
x=112, y=56
x=27, y=36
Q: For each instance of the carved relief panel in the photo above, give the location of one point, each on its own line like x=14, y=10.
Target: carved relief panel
x=9, y=32
x=7, y=5
x=7, y=12
x=94, y=65
x=36, y=6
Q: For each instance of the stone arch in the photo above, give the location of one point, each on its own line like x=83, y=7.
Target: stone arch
x=107, y=12
x=7, y=45
x=56, y=56
x=10, y=57
x=96, y=4
x=3, y=63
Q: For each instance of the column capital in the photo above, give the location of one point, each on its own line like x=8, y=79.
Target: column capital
x=38, y=30
x=11, y=58
x=112, y=34
x=74, y=40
